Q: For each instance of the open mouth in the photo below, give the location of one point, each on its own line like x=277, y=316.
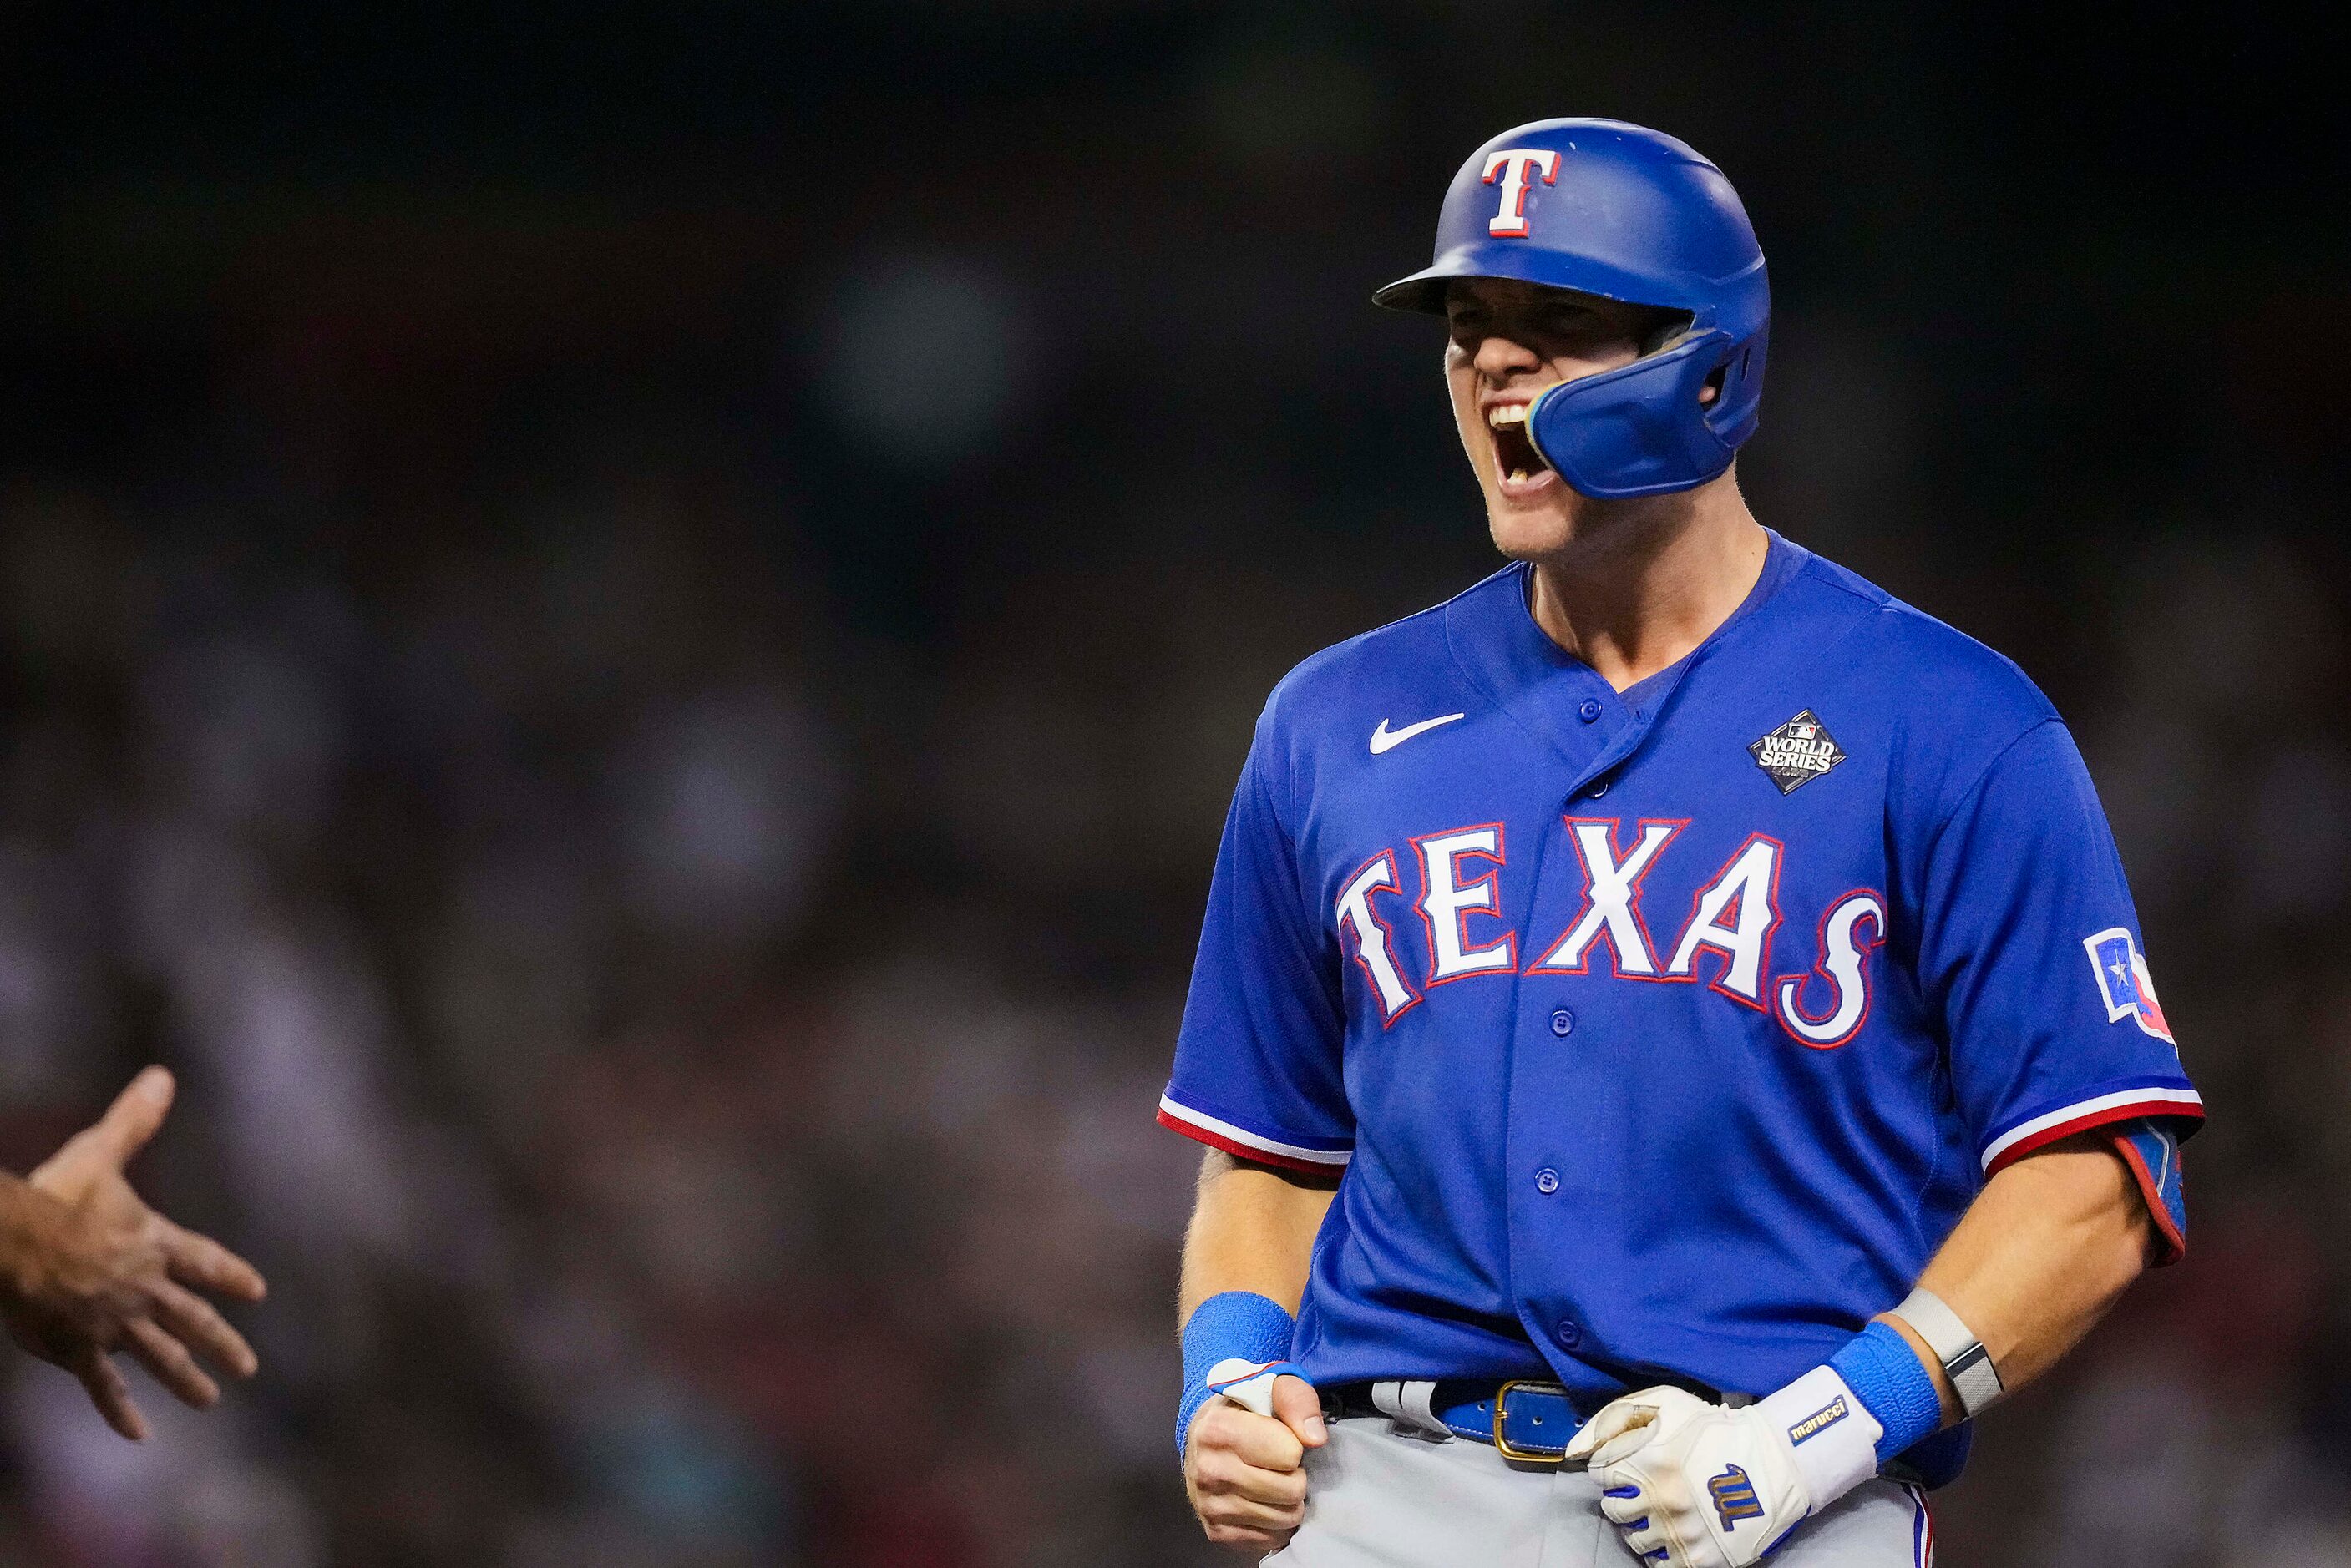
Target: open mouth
x=1514, y=451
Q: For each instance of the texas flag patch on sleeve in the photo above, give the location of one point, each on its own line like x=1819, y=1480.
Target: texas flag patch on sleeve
x=2124, y=981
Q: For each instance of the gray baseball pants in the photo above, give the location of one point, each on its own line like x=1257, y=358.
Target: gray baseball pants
x=1378, y=1496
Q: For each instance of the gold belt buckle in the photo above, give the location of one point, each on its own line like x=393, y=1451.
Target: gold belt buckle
x=1502, y=1444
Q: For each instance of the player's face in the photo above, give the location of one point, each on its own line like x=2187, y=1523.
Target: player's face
x=1509, y=340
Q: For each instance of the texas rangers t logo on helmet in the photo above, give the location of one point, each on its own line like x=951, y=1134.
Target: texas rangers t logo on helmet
x=2124, y=981
x=1512, y=164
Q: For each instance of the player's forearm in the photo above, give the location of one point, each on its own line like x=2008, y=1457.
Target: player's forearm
x=2046, y=1249
x=1252, y=1229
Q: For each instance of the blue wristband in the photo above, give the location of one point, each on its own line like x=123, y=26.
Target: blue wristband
x=1235, y=1324
x=1886, y=1375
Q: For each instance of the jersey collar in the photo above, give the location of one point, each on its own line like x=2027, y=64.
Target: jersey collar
x=1494, y=637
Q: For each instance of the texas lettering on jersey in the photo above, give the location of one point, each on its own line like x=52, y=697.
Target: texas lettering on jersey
x=1728, y=929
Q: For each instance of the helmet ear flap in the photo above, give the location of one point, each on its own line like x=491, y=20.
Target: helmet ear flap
x=1631, y=431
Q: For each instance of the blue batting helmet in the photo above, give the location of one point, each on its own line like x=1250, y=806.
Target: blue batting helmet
x=1607, y=208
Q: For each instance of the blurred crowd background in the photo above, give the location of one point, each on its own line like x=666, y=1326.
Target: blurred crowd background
x=624, y=631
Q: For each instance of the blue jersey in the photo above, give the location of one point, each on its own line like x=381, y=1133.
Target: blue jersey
x=1661, y=1035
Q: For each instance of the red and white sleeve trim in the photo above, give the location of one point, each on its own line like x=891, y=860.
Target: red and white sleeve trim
x=2083, y=1115
x=1242, y=1144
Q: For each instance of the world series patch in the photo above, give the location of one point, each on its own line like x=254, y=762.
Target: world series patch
x=1797, y=752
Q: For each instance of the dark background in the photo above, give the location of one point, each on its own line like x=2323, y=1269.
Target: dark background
x=625, y=636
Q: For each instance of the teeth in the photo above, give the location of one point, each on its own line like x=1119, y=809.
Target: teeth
x=1519, y=476
x=1507, y=414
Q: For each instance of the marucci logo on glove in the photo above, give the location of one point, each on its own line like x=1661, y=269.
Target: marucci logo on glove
x=1820, y=1420
x=1797, y=752
x=1734, y=1497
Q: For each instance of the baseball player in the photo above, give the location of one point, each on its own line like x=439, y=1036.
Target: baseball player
x=1670, y=1026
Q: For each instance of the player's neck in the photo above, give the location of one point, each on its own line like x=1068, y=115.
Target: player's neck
x=1644, y=582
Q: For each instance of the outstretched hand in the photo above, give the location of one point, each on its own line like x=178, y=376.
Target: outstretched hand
x=93, y=1270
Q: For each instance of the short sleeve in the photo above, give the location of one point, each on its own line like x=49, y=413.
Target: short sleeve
x=1259, y=1061
x=2029, y=950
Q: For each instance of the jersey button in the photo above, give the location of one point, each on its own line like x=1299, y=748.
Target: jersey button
x=1590, y=710
x=1570, y=1331
x=1546, y=1181
x=1562, y=1024
x=1599, y=788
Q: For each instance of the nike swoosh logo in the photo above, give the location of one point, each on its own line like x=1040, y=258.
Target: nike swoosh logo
x=1385, y=739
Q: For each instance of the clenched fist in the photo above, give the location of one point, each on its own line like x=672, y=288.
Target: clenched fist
x=1245, y=1472
x=88, y=1269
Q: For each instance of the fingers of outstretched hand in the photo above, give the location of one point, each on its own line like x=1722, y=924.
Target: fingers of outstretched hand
x=201, y=1261
x=108, y=1143
x=135, y=1115
x=169, y=1360
x=110, y=1393
x=194, y=1321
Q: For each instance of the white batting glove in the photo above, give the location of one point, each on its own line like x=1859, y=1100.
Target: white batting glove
x=1695, y=1485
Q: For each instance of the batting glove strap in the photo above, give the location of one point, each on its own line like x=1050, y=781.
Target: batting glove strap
x=1831, y=1435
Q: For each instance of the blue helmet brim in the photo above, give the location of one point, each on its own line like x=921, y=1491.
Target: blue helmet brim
x=1424, y=291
